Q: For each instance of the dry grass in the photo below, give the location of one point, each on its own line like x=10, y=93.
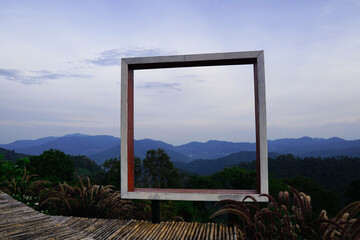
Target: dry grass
x=23, y=186
x=86, y=200
x=291, y=218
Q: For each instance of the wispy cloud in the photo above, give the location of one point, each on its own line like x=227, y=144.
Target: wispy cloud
x=9, y=74
x=113, y=57
x=191, y=77
x=156, y=85
x=35, y=77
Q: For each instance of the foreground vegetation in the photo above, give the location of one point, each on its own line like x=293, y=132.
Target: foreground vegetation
x=56, y=183
x=291, y=217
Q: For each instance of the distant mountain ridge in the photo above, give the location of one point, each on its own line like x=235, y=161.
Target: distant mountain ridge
x=73, y=145
x=102, y=147
x=210, y=166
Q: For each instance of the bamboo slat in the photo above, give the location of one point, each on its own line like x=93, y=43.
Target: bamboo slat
x=18, y=221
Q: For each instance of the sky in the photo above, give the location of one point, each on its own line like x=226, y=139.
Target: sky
x=60, y=68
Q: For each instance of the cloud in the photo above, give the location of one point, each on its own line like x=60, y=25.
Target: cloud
x=36, y=77
x=156, y=85
x=113, y=57
x=9, y=74
x=191, y=77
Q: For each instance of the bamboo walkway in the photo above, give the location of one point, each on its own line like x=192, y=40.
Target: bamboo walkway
x=17, y=221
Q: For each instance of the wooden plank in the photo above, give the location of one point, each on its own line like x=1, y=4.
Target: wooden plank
x=35, y=225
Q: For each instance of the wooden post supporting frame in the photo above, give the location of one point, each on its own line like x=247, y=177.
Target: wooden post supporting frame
x=155, y=211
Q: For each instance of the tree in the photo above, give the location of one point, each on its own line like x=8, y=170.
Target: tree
x=85, y=166
x=10, y=169
x=236, y=178
x=352, y=192
x=137, y=170
x=53, y=165
x=204, y=182
x=320, y=197
x=112, y=172
x=159, y=171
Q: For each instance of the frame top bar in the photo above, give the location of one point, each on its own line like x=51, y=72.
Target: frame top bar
x=193, y=60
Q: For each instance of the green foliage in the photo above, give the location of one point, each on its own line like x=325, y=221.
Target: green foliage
x=10, y=155
x=204, y=182
x=24, y=189
x=84, y=172
x=291, y=218
x=137, y=170
x=53, y=165
x=22, y=162
x=111, y=173
x=321, y=198
x=16, y=180
x=236, y=178
x=352, y=192
x=159, y=171
x=334, y=173
x=276, y=185
x=86, y=200
x=10, y=169
x=85, y=166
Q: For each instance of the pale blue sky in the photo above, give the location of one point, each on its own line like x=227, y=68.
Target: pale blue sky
x=60, y=71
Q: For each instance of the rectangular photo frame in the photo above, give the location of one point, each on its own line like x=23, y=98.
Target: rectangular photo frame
x=129, y=65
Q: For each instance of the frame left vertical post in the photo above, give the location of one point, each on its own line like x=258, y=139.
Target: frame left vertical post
x=130, y=131
x=124, y=127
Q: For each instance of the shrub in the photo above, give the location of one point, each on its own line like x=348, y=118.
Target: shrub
x=86, y=201
x=291, y=218
x=23, y=189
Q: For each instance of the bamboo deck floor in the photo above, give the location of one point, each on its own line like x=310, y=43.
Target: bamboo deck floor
x=18, y=221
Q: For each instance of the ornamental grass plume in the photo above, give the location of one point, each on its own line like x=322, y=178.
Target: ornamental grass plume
x=23, y=186
x=86, y=200
x=290, y=217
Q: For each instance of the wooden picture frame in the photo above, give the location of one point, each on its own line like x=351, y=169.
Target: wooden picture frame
x=129, y=65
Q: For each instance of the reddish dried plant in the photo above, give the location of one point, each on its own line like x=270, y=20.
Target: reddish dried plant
x=291, y=218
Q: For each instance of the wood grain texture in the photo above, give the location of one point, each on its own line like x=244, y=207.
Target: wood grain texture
x=17, y=221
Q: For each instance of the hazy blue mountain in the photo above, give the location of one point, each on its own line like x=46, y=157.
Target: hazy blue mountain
x=142, y=146
x=76, y=135
x=140, y=149
x=213, y=149
x=101, y=157
x=304, y=146
x=27, y=143
x=307, y=146
x=73, y=145
x=153, y=144
x=103, y=147
x=207, y=167
x=329, y=152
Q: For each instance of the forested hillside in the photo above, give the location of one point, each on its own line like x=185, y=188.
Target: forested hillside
x=210, y=166
x=334, y=173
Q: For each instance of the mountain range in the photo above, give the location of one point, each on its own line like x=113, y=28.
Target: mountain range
x=102, y=147
x=210, y=166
